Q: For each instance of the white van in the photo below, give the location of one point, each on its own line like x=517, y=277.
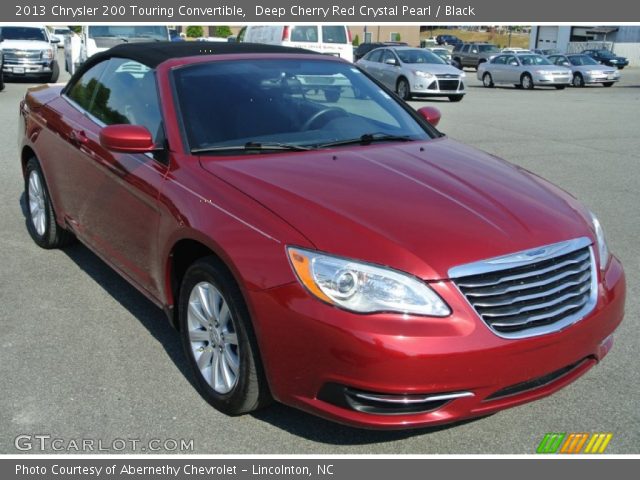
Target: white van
x=327, y=39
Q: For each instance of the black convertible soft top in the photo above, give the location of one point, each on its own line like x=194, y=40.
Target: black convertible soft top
x=153, y=54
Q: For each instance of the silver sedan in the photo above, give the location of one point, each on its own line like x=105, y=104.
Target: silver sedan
x=523, y=71
x=586, y=70
x=414, y=72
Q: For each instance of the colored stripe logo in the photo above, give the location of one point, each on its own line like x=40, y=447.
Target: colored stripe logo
x=574, y=443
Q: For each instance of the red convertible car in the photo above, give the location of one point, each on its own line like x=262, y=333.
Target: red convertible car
x=332, y=251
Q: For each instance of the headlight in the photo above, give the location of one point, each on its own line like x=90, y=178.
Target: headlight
x=47, y=54
x=422, y=74
x=603, y=249
x=362, y=287
x=463, y=75
x=595, y=72
x=613, y=60
x=545, y=72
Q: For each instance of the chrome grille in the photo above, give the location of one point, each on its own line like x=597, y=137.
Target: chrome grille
x=15, y=55
x=533, y=292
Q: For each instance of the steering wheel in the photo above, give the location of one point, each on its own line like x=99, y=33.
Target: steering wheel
x=321, y=113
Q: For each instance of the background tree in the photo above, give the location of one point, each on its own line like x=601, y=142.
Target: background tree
x=222, y=31
x=194, y=31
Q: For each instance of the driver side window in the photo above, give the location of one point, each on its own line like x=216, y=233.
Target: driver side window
x=127, y=93
x=387, y=56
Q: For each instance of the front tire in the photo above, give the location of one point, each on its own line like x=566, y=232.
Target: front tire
x=55, y=73
x=41, y=218
x=607, y=84
x=526, y=81
x=487, y=80
x=560, y=87
x=219, y=341
x=403, y=89
x=455, y=98
x=578, y=81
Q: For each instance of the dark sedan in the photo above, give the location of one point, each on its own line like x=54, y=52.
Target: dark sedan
x=606, y=57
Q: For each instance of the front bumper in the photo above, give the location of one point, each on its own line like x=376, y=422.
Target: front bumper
x=437, y=87
x=542, y=80
x=309, y=348
x=601, y=77
x=20, y=69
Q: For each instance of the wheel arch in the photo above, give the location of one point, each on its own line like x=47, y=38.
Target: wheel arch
x=26, y=153
x=181, y=255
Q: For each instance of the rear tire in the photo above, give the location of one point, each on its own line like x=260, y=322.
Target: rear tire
x=455, y=98
x=403, y=89
x=578, y=81
x=219, y=341
x=487, y=80
x=526, y=81
x=41, y=218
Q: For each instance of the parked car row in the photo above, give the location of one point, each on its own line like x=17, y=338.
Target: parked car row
x=530, y=70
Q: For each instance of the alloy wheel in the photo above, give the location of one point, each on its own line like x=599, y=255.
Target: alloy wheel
x=37, y=203
x=213, y=337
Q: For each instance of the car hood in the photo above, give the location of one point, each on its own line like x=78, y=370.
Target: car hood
x=547, y=68
x=24, y=45
x=587, y=68
x=434, y=68
x=421, y=207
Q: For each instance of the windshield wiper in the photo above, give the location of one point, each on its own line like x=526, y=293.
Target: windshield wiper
x=253, y=146
x=367, y=139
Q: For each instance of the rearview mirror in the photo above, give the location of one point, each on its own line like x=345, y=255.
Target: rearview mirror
x=127, y=139
x=431, y=114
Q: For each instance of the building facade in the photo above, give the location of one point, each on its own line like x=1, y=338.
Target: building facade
x=386, y=33
x=623, y=40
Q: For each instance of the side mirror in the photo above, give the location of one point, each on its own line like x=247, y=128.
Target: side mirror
x=566, y=64
x=127, y=139
x=391, y=61
x=54, y=40
x=515, y=64
x=431, y=114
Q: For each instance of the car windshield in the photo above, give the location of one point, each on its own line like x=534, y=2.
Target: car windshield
x=533, y=60
x=582, y=60
x=487, y=48
x=416, y=55
x=128, y=31
x=23, y=33
x=225, y=105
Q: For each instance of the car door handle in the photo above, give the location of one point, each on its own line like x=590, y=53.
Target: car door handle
x=78, y=137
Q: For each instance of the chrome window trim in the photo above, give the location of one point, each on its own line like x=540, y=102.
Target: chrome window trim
x=524, y=258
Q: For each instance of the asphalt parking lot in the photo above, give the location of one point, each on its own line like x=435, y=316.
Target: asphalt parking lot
x=85, y=356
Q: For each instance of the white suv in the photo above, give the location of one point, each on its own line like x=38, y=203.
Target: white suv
x=29, y=51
